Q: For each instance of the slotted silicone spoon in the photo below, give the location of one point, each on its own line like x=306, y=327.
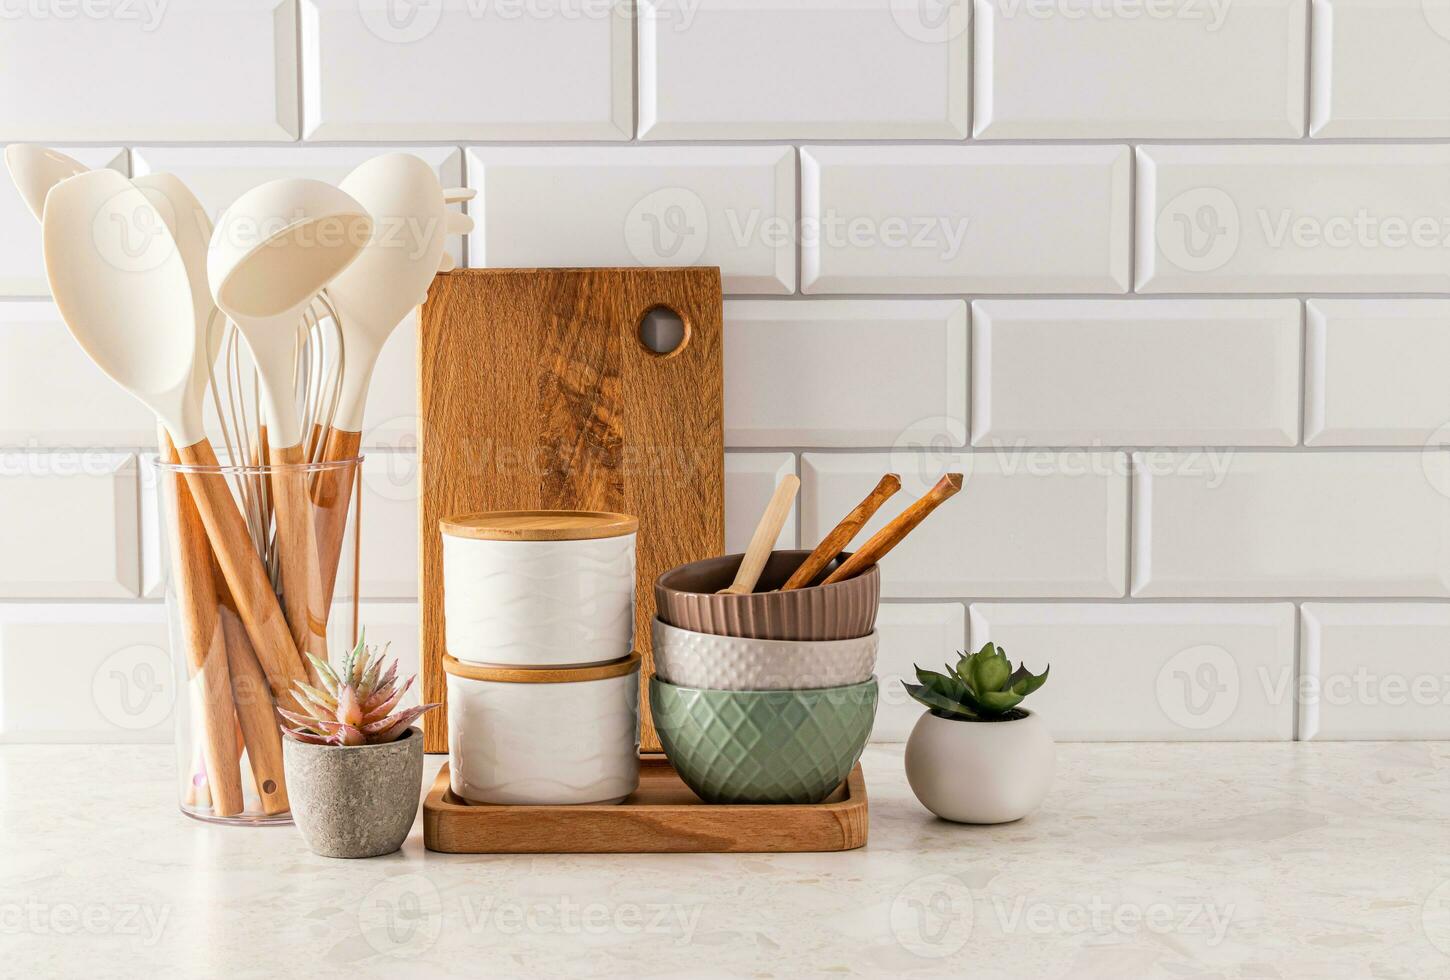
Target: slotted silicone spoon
x=272, y=252
x=122, y=289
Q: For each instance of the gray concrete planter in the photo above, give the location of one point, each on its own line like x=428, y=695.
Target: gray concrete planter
x=358, y=801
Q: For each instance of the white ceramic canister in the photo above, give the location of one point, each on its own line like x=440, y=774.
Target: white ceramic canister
x=539, y=588
x=551, y=736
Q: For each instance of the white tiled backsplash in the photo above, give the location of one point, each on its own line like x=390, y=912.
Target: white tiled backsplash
x=1220, y=511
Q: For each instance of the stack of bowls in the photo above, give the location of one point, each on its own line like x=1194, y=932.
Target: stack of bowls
x=543, y=680
x=767, y=697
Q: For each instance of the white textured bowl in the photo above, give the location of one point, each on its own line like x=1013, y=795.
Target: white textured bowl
x=729, y=663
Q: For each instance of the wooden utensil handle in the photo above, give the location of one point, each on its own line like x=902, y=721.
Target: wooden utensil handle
x=835, y=542
x=332, y=499
x=192, y=580
x=297, y=550
x=762, y=543
x=250, y=692
x=245, y=576
x=890, y=536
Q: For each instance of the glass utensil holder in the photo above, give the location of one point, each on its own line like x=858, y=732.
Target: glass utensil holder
x=226, y=609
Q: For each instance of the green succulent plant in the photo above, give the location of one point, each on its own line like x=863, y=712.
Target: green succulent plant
x=354, y=705
x=981, y=687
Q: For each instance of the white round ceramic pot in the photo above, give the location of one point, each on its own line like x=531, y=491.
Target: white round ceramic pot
x=980, y=771
x=539, y=588
x=529, y=736
x=730, y=663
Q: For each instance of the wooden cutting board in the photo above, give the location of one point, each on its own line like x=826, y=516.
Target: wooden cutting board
x=535, y=392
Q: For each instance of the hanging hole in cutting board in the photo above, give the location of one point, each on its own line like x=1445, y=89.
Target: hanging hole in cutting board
x=662, y=331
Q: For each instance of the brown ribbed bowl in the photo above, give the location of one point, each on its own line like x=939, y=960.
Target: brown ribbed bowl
x=685, y=597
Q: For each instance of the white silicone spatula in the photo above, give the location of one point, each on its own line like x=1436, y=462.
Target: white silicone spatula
x=272, y=252
x=122, y=289
x=36, y=169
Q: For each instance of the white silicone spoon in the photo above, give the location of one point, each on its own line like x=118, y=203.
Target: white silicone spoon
x=122, y=289
x=36, y=169
x=271, y=253
x=411, y=225
x=191, y=229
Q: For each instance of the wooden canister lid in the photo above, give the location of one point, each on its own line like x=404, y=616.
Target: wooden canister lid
x=539, y=525
x=540, y=675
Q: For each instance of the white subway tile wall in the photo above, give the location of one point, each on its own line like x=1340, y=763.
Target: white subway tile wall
x=1180, y=69
x=1153, y=671
x=1173, y=372
x=1195, y=383
x=986, y=219
x=1374, y=670
x=741, y=69
x=1373, y=373
x=921, y=345
x=1333, y=218
x=1381, y=68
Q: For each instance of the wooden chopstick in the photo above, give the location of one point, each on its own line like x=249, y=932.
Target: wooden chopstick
x=835, y=542
x=902, y=525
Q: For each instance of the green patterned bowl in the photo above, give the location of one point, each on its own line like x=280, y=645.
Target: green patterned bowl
x=763, y=746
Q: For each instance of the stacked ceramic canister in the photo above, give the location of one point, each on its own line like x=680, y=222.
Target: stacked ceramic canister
x=543, y=679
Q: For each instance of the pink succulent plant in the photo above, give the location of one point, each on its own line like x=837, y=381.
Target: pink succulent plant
x=352, y=706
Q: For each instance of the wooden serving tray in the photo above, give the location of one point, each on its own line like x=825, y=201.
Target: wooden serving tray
x=663, y=815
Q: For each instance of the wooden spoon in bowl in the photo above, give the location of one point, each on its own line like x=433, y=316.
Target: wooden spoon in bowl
x=762, y=543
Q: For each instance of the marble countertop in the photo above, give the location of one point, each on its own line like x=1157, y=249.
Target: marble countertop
x=1262, y=861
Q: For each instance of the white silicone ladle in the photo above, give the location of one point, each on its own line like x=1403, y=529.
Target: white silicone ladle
x=123, y=291
x=36, y=169
x=273, y=251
